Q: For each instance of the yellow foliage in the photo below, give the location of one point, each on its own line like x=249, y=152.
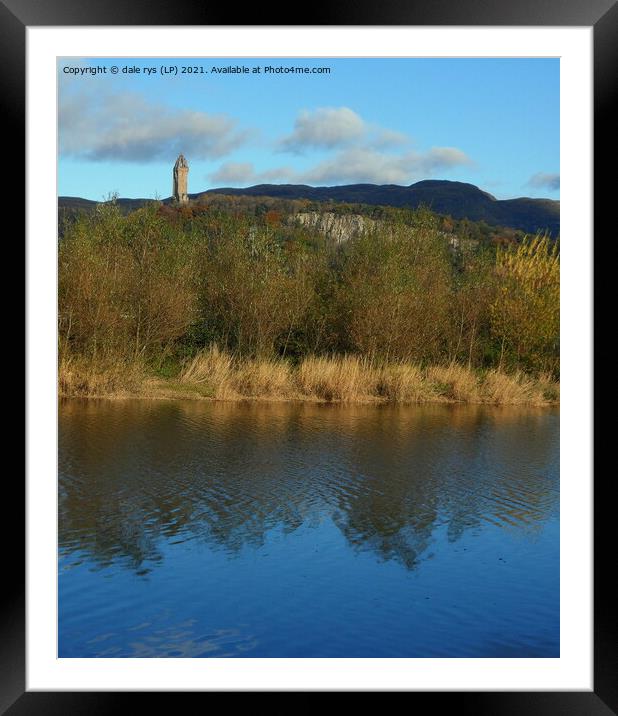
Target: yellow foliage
x=525, y=317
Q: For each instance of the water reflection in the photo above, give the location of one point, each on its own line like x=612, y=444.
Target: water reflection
x=135, y=476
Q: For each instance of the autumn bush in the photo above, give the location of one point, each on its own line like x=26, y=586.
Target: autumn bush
x=243, y=303
x=525, y=315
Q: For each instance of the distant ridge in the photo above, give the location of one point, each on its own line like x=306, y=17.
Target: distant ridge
x=457, y=199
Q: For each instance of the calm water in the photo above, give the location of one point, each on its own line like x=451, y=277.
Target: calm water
x=191, y=529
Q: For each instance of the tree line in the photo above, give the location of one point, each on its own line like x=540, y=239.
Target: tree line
x=159, y=284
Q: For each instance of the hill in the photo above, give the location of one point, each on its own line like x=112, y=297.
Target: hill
x=456, y=199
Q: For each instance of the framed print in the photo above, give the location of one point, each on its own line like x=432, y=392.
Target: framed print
x=309, y=354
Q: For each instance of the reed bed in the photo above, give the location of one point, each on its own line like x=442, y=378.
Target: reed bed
x=337, y=378
x=213, y=368
x=504, y=389
x=454, y=382
x=219, y=375
x=402, y=383
x=263, y=379
x=87, y=378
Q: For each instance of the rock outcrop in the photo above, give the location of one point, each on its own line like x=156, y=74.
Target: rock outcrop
x=338, y=227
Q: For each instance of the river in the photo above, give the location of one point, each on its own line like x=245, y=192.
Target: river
x=203, y=529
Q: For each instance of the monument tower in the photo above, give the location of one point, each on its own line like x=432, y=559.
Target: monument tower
x=181, y=171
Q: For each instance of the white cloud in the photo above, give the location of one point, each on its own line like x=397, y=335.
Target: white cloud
x=324, y=128
x=365, y=152
x=356, y=165
x=234, y=173
x=277, y=174
x=362, y=165
x=541, y=180
x=243, y=173
x=386, y=138
x=444, y=158
x=127, y=127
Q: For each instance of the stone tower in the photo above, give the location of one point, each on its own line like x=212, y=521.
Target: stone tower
x=181, y=171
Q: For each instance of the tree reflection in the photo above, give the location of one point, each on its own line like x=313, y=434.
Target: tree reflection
x=135, y=475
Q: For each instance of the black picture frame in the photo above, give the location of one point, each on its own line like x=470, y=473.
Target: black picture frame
x=602, y=15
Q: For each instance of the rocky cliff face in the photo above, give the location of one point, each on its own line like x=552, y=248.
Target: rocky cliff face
x=341, y=227
x=338, y=227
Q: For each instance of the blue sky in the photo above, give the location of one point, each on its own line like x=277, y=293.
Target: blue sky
x=490, y=122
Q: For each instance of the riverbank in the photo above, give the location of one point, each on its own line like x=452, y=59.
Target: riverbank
x=216, y=375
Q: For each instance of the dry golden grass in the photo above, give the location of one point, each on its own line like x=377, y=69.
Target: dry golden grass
x=454, y=382
x=223, y=377
x=82, y=377
x=214, y=369
x=504, y=389
x=216, y=374
x=402, y=383
x=263, y=379
x=550, y=387
x=345, y=378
